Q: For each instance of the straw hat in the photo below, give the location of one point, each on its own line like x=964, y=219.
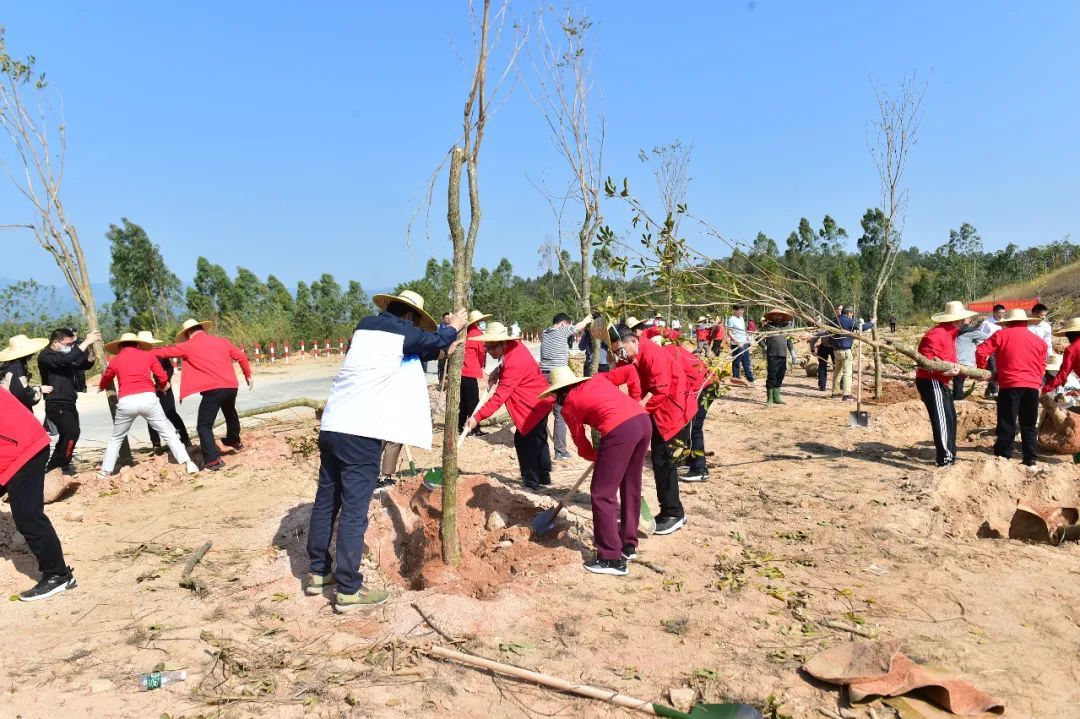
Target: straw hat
x=22, y=346
x=953, y=311
x=633, y=322
x=779, y=314
x=496, y=332
x=702, y=319
x=562, y=377
x=191, y=325
x=412, y=299
x=114, y=346
x=146, y=336
x=1016, y=317
x=1053, y=362
x=1073, y=325
x=477, y=316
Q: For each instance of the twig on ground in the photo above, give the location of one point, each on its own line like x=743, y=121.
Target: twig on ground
x=649, y=565
x=186, y=580
x=431, y=623
x=851, y=628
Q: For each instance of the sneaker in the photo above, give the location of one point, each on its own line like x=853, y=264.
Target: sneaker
x=317, y=583
x=384, y=483
x=216, y=465
x=344, y=603
x=562, y=455
x=532, y=486
x=667, y=525
x=614, y=567
x=478, y=433
x=849, y=398
x=191, y=467
x=695, y=476
x=629, y=552
x=49, y=585
x=545, y=479
x=1033, y=468
x=68, y=470
x=234, y=443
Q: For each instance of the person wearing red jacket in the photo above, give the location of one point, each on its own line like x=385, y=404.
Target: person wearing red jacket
x=663, y=378
x=939, y=343
x=698, y=379
x=1021, y=364
x=1070, y=359
x=208, y=371
x=519, y=383
x=24, y=452
x=624, y=430
x=472, y=371
x=140, y=377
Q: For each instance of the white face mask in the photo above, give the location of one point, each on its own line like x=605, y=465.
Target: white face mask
x=64, y=349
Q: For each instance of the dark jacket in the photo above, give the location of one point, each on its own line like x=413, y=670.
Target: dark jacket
x=776, y=345
x=15, y=378
x=65, y=372
x=848, y=324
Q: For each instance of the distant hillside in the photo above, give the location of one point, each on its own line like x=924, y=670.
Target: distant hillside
x=1059, y=290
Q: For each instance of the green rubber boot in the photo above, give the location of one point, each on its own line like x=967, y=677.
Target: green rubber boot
x=771, y=398
x=776, y=396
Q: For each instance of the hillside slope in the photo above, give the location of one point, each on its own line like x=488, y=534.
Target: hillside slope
x=1059, y=290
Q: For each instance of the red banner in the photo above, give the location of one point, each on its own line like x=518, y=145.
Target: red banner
x=988, y=307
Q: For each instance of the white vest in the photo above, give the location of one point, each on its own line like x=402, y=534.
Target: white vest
x=380, y=393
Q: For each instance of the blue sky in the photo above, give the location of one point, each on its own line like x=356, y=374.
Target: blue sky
x=293, y=138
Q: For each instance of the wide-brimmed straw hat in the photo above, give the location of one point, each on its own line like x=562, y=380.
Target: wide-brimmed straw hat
x=702, y=319
x=1017, y=316
x=562, y=377
x=779, y=314
x=192, y=325
x=22, y=346
x=114, y=346
x=477, y=316
x=633, y=322
x=1073, y=325
x=953, y=311
x=1053, y=362
x=147, y=336
x=496, y=332
x=412, y=299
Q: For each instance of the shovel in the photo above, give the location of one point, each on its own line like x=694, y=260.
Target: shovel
x=545, y=521
x=412, y=463
x=859, y=418
x=699, y=711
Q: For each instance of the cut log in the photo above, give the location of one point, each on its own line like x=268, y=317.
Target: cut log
x=936, y=365
x=314, y=404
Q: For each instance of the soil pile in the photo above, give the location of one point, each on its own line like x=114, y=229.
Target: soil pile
x=907, y=422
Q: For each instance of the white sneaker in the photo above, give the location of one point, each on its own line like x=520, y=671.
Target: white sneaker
x=191, y=467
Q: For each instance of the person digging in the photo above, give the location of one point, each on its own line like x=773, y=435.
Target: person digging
x=698, y=378
x=624, y=429
x=208, y=371
x=776, y=352
x=167, y=399
x=379, y=395
x=1021, y=363
x=518, y=385
x=939, y=343
x=663, y=379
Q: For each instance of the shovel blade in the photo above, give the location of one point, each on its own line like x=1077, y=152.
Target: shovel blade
x=433, y=479
x=859, y=419
x=724, y=711
x=545, y=521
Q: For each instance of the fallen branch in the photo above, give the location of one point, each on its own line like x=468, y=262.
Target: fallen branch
x=935, y=365
x=850, y=628
x=431, y=623
x=649, y=565
x=314, y=404
x=186, y=580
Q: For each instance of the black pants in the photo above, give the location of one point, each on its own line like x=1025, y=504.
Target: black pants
x=958, y=387
x=26, y=492
x=534, y=456
x=65, y=418
x=442, y=370
x=470, y=397
x=937, y=396
x=697, y=440
x=1013, y=402
x=214, y=400
x=823, y=357
x=168, y=404
x=777, y=368
x=603, y=367
x=665, y=471
x=992, y=385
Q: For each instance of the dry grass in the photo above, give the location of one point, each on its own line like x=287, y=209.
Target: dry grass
x=1058, y=290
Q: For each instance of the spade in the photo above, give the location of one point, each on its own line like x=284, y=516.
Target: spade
x=545, y=521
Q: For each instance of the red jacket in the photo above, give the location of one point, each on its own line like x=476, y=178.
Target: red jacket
x=1070, y=362
x=702, y=334
x=625, y=375
x=697, y=372
x=475, y=355
x=717, y=334
x=21, y=436
x=519, y=388
x=207, y=363
x=939, y=343
x=1021, y=357
x=664, y=332
x=135, y=371
x=662, y=376
x=601, y=406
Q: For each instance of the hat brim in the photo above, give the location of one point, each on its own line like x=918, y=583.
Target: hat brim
x=427, y=322
x=204, y=325
x=945, y=317
x=494, y=338
x=779, y=315
x=114, y=346
x=35, y=345
x=481, y=318
x=1067, y=330
x=561, y=385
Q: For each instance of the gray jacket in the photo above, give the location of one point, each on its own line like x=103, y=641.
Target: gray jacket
x=969, y=338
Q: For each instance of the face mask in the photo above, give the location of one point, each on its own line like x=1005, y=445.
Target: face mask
x=64, y=349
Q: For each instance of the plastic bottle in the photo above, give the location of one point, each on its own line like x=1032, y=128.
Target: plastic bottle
x=155, y=680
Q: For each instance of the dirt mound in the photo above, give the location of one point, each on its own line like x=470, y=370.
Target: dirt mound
x=979, y=496
x=891, y=393
x=907, y=422
x=408, y=547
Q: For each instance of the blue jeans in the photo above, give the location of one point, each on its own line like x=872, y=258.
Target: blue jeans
x=348, y=472
x=740, y=358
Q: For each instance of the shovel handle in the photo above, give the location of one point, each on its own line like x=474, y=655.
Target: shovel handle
x=481, y=403
x=570, y=493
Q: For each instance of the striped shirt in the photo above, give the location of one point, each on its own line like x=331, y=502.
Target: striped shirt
x=555, y=347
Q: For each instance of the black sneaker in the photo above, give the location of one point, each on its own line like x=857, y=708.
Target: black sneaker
x=667, y=525
x=545, y=479
x=614, y=567
x=68, y=471
x=532, y=486
x=49, y=585
x=629, y=552
x=234, y=443
x=385, y=482
x=695, y=476
x=216, y=465
x=478, y=433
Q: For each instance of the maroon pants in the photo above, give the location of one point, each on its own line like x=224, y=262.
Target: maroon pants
x=619, y=460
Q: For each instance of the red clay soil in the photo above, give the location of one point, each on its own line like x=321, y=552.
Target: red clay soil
x=1059, y=437
x=408, y=546
x=891, y=392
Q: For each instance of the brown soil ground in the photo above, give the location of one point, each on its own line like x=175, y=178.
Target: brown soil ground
x=804, y=519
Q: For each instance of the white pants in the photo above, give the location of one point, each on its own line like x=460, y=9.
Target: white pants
x=145, y=405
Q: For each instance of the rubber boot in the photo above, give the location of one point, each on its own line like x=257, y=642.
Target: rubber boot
x=776, y=396
x=770, y=401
